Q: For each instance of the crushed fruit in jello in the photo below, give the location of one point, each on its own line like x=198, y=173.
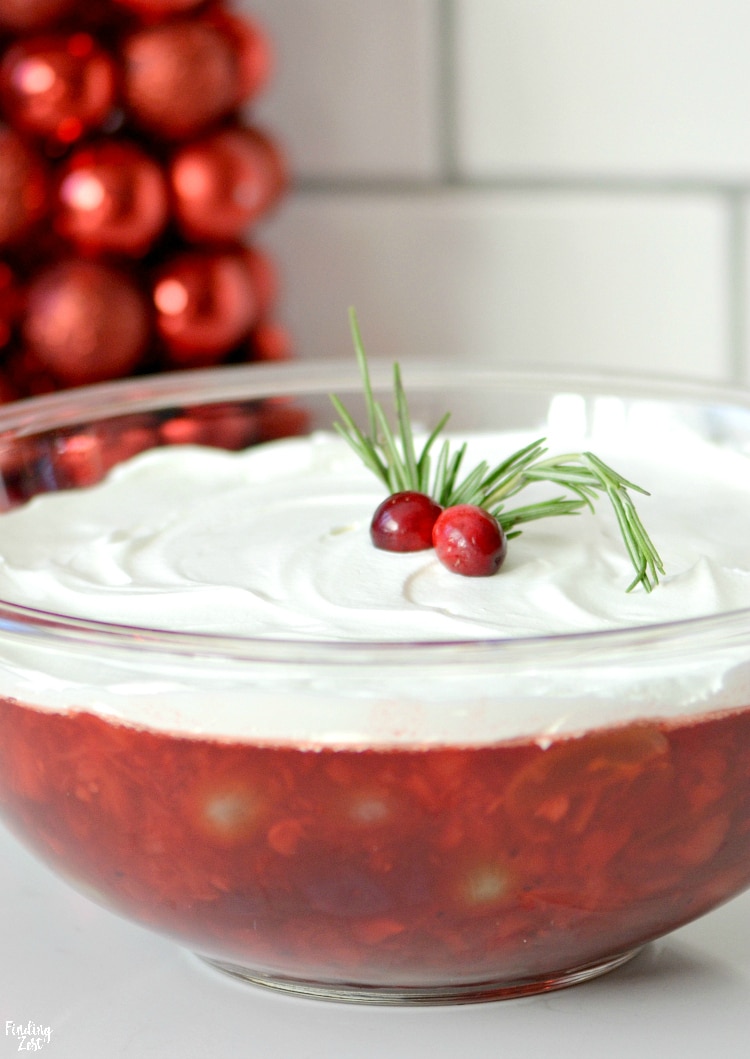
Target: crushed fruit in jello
x=390, y=866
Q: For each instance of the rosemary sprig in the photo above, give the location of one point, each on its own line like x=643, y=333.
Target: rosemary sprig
x=392, y=456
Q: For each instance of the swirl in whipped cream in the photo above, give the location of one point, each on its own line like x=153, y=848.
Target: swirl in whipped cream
x=274, y=543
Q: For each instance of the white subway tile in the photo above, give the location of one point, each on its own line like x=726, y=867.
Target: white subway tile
x=743, y=266
x=651, y=88
x=355, y=91
x=628, y=281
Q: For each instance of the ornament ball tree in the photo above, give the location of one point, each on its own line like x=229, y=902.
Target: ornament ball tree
x=131, y=179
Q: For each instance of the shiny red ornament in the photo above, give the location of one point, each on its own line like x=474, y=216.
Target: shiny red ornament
x=111, y=197
x=27, y=375
x=205, y=304
x=26, y=15
x=178, y=78
x=9, y=303
x=155, y=9
x=269, y=341
x=58, y=87
x=252, y=46
x=23, y=187
x=226, y=181
x=7, y=391
x=85, y=322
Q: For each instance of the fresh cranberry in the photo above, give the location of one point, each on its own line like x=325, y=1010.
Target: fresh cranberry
x=403, y=522
x=469, y=541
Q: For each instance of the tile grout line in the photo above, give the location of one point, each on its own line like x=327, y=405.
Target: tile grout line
x=523, y=184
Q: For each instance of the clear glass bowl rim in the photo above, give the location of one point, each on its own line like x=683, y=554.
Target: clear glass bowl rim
x=89, y=404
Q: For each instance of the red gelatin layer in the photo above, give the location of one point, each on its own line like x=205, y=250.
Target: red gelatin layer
x=383, y=868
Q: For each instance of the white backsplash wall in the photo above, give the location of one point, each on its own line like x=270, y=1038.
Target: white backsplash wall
x=562, y=182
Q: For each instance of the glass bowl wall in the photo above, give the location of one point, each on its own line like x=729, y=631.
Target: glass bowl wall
x=353, y=820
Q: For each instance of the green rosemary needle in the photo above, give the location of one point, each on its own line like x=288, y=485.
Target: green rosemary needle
x=391, y=454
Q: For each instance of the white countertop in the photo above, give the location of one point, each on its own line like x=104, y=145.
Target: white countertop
x=106, y=988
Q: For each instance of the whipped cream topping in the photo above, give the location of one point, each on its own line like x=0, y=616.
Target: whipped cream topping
x=273, y=543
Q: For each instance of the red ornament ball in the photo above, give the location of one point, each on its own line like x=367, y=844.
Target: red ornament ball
x=28, y=15
x=85, y=322
x=224, y=182
x=23, y=187
x=9, y=302
x=7, y=390
x=178, y=78
x=158, y=8
x=252, y=47
x=269, y=341
x=57, y=88
x=205, y=304
x=28, y=375
x=111, y=197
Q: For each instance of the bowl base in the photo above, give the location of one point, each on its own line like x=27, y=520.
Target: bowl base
x=450, y=993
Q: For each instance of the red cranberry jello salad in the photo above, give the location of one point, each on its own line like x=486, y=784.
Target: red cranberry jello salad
x=339, y=716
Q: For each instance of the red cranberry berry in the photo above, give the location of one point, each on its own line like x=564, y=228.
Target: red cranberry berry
x=469, y=541
x=403, y=522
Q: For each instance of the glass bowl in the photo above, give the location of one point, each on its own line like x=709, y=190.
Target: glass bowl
x=383, y=822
